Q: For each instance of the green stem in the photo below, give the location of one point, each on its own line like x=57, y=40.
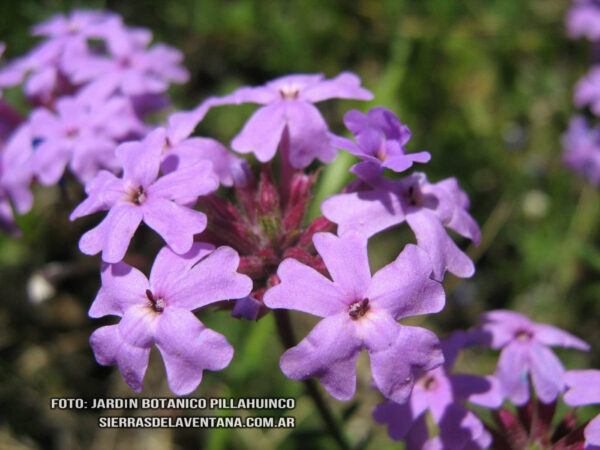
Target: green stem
x=286, y=334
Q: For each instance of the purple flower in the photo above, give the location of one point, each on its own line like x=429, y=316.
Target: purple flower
x=83, y=135
x=525, y=354
x=587, y=91
x=380, y=139
x=426, y=207
x=138, y=196
x=158, y=311
x=15, y=177
x=289, y=111
x=583, y=19
x=360, y=311
x=584, y=389
x=129, y=67
x=442, y=394
x=582, y=149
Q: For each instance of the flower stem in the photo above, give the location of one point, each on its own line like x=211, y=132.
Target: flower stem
x=286, y=334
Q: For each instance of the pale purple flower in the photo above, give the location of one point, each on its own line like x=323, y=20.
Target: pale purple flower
x=46, y=64
x=360, y=311
x=582, y=149
x=380, y=140
x=587, y=91
x=426, y=207
x=139, y=196
x=83, y=135
x=584, y=389
x=443, y=394
x=289, y=112
x=583, y=19
x=15, y=169
x=526, y=353
x=158, y=311
x=129, y=68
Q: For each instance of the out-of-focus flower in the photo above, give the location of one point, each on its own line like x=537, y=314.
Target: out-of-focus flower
x=582, y=149
x=360, y=311
x=83, y=135
x=289, y=114
x=583, y=19
x=526, y=353
x=584, y=389
x=158, y=311
x=443, y=395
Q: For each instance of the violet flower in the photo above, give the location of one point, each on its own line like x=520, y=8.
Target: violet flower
x=129, y=68
x=380, y=140
x=582, y=149
x=83, y=135
x=584, y=389
x=587, y=90
x=360, y=311
x=139, y=196
x=526, y=353
x=426, y=207
x=443, y=395
x=583, y=19
x=289, y=112
x=158, y=311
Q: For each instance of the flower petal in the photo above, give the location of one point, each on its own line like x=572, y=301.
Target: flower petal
x=113, y=234
x=110, y=348
x=345, y=85
x=176, y=224
x=397, y=353
x=547, y=373
x=347, y=262
x=191, y=181
x=433, y=238
x=403, y=288
x=584, y=387
x=212, y=279
x=512, y=371
x=188, y=348
x=262, y=132
x=555, y=337
x=141, y=160
x=398, y=417
x=329, y=352
x=122, y=287
x=304, y=289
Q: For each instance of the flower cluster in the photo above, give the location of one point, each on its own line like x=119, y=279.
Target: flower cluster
x=581, y=144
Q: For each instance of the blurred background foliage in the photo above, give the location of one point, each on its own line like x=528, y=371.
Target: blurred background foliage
x=485, y=86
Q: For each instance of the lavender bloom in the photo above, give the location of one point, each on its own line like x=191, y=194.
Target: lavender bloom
x=130, y=68
x=46, y=65
x=583, y=19
x=83, y=135
x=584, y=389
x=289, y=112
x=158, y=311
x=138, y=196
x=582, y=149
x=360, y=311
x=587, y=91
x=380, y=139
x=442, y=394
x=525, y=353
x=426, y=207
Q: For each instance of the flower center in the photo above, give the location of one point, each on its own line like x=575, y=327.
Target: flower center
x=429, y=383
x=289, y=92
x=157, y=304
x=138, y=196
x=358, y=309
x=523, y=335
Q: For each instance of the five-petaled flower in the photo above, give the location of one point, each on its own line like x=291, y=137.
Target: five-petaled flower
x=525, y=354
x=289, y=112
x=158, y=311
x=138, y=196
x=360, y=311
